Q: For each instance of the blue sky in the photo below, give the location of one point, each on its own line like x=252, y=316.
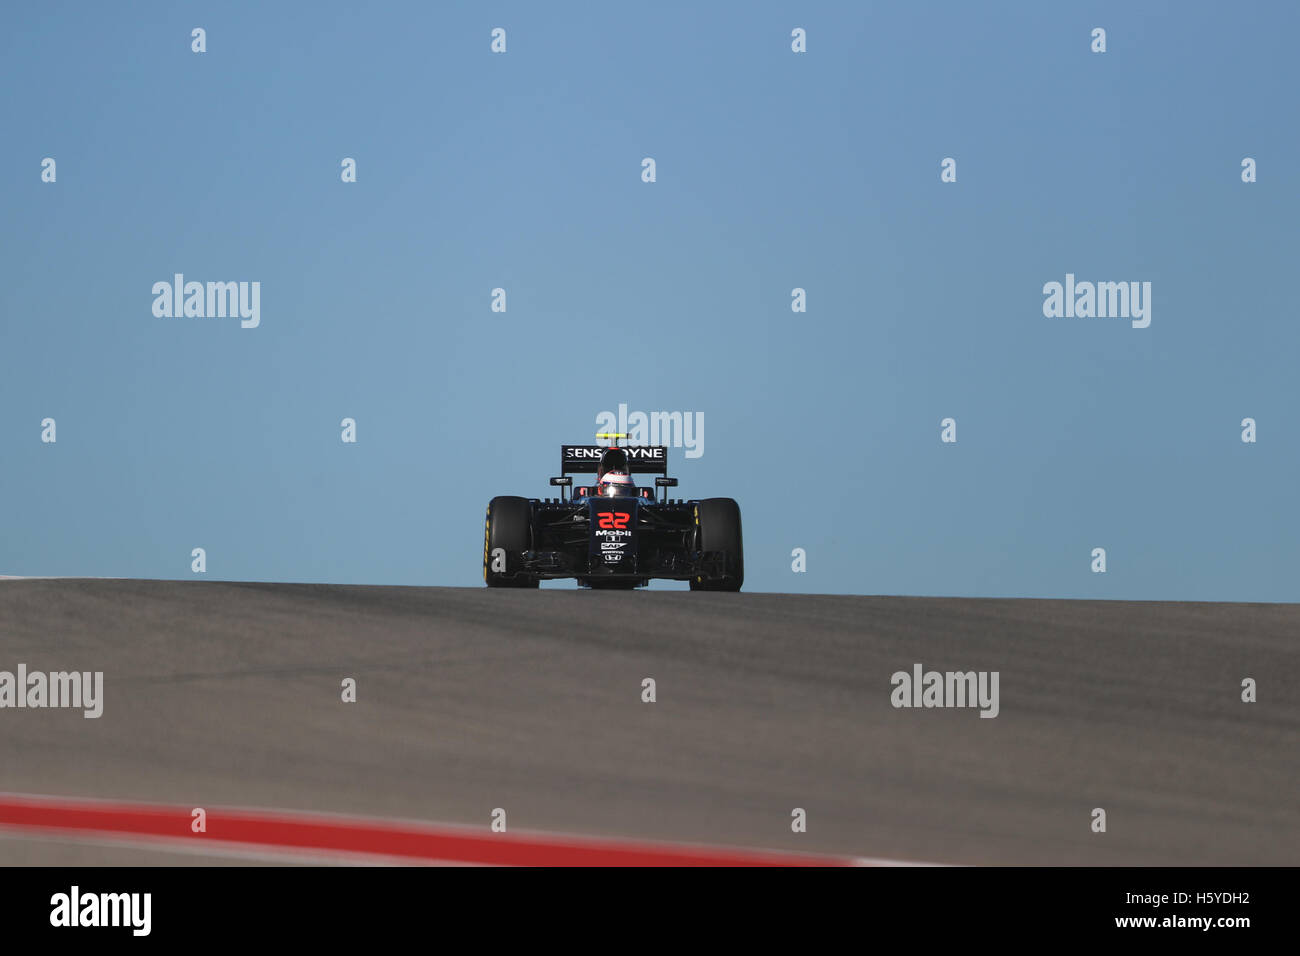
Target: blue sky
x=775, y=170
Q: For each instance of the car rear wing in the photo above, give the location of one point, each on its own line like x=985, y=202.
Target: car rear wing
x=644, y=459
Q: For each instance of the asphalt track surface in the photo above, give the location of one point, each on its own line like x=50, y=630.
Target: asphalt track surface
x=469, y=700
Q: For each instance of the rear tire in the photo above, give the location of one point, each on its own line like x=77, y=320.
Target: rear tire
x=717, y=528
x=508, y=526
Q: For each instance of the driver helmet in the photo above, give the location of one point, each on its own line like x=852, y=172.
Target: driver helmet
x=614, y=474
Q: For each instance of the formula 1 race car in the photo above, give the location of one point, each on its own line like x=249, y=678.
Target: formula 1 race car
x=613, y=534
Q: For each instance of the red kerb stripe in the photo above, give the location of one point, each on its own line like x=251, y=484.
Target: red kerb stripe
x=376, y=837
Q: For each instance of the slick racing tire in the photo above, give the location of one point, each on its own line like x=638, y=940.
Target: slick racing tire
x=717, y=528
x=507, y=529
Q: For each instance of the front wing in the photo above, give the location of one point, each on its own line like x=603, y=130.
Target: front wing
x=623, y=539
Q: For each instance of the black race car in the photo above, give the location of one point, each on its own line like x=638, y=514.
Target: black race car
x=613, y=534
